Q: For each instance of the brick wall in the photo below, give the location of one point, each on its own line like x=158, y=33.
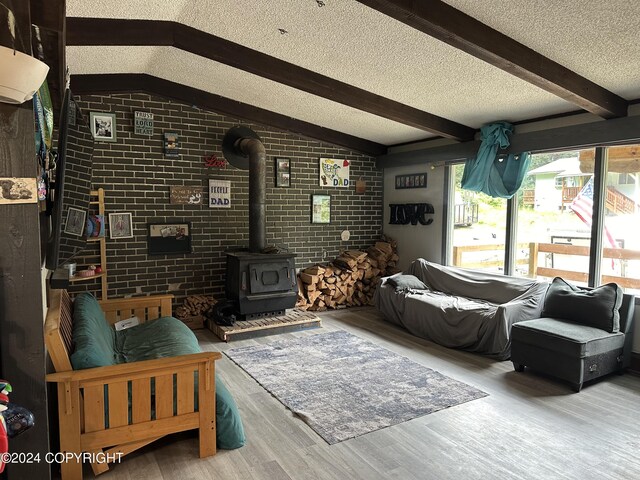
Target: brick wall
x=136, y=177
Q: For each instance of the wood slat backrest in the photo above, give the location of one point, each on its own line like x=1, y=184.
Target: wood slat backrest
x=58, y=330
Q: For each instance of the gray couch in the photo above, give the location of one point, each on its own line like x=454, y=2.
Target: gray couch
x=460, y=308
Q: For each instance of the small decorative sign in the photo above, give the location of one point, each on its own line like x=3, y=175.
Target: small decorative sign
x=219, y=193
x=361, y=186
x=334, y=173
x=212, y=161
x=185, y=195
x=143, y=123
x=414, y=180
x=171, y=144
x=18, y=190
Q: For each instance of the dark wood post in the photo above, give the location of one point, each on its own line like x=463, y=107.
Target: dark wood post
x=22, y=355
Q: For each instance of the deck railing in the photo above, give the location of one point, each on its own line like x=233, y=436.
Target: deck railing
x=533, y=250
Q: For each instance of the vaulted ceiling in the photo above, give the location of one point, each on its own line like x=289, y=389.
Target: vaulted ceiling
x=365, y=74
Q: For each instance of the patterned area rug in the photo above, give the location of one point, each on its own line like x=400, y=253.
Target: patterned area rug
x=343, y=386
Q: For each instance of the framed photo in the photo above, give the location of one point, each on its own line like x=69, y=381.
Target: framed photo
x=167, y=238
x=320, y=208
x=103, y=126
x=283, y=172
x=171, y=144
x=120, y=225
x=75, y=221
x=414, y=180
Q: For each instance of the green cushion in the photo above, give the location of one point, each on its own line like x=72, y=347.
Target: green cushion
x=94, y=339
x=164, y=337
x=169, y=337
x=230, y=432
x=596, y=307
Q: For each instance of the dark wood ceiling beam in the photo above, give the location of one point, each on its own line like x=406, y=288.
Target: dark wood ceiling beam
x=103, y=31
x=617, y=131
x=129, y=83
x=451, y=26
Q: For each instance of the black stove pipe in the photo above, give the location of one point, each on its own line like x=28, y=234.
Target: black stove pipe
x=254, y=149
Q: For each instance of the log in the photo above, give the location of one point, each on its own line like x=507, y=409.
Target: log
x=306, y=278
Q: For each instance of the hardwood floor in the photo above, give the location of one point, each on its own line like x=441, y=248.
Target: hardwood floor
x=529, y=427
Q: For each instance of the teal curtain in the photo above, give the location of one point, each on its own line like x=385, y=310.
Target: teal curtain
x=497, y=176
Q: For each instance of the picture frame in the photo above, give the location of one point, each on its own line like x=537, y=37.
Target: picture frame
x=283, y=172
x=169, y=238
x=103, y=126
x=320, y=208
x=413, y=180
x=75, y=222
x=120, y=225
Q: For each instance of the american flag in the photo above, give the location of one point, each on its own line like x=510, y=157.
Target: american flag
x=582, y=206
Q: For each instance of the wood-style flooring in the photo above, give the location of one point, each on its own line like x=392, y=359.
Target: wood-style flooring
x=529, y=427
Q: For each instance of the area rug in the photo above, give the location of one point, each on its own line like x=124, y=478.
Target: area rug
x=343, y=386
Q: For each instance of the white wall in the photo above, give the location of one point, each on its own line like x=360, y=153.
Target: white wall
x=415, y=241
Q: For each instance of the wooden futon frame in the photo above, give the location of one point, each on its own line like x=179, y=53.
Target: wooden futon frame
x=132, y=421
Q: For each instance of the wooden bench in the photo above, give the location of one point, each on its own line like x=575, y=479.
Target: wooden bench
x=133, y=421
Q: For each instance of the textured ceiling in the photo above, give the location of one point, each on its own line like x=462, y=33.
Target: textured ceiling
x=350, y=42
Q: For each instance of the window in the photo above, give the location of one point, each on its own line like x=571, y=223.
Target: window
x=621, y=244
x=478, y=228
x=553, y=232
x=554, y=225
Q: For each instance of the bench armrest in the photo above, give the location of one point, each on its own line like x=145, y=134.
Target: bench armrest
x=130, y=371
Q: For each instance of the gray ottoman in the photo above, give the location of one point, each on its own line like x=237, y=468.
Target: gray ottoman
x=578, y=344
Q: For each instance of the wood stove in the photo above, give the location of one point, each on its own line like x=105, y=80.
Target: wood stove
x=260, y=284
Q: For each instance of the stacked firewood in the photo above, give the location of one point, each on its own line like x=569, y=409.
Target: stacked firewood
x=349, y=280
x=194, y=310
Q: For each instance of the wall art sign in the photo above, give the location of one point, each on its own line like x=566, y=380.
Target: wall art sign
x=320, y=208
x=219, y=193
x=166, y=238
x=212, y=161
x=283, y=172
x=414, y=180
x=120, y=225
x=143, y=123
x=171, y=144
x=334, y=173
x=361, y=186
x=185, y=195
x=18, y=190
x=103, y=126
x=410, y=213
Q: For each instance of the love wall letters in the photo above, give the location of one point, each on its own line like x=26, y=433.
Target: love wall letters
x=411, y=213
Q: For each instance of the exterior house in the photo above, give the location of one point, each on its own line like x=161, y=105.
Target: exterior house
x=557, y=184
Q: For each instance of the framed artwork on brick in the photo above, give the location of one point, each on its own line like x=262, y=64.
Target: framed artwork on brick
x=283, y=172
x=75, y=221
x=320, y=208
x=103, y=126
x=120, y=225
